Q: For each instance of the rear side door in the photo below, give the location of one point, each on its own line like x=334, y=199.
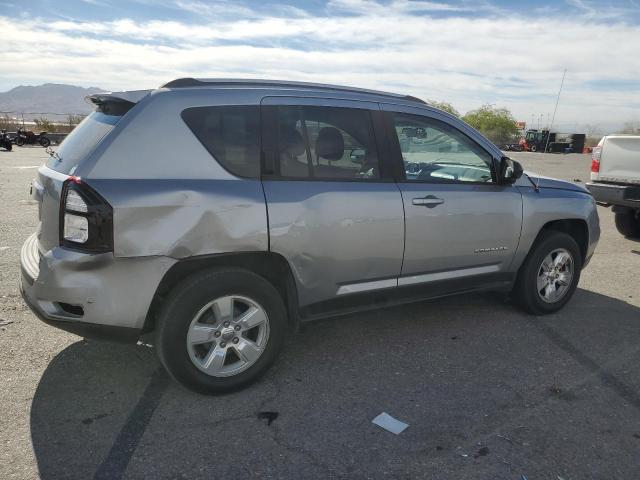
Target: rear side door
x=334, y=211
x=462, y=227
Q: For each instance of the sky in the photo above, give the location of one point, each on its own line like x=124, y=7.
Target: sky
x=469, y=53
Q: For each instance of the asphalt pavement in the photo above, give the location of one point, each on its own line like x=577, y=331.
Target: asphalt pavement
x=487, y=391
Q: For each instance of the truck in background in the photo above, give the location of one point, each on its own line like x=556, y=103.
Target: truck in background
x=543, y=140
x=615, y=180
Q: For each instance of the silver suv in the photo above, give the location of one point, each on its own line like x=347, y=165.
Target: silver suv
x=217, y=215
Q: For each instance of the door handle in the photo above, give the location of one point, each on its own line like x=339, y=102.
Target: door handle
x=429, y=201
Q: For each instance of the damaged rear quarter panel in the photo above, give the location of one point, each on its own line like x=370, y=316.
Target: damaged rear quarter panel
x=184, y=218
x=170, y=197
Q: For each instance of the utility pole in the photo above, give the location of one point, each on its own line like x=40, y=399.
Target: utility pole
x=553, y=119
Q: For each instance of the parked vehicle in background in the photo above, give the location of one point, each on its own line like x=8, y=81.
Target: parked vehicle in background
x=27, y=137
x=512, y=147
x=5, y=140
x=615, y=180
x=552, y=142
x=290, y=202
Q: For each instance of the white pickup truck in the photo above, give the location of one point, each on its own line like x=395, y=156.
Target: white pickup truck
x=615, y=180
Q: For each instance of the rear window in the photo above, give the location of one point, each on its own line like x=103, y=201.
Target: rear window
x=326, y=143
x=231, y=134
x=81, y=141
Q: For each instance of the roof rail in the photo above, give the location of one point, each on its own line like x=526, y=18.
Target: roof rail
x=224, y=82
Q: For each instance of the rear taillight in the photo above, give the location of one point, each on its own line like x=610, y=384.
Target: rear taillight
x=595, y=159
x=86, y=219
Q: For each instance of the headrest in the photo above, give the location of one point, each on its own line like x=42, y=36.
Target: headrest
x=291, y=141
x=330, y=144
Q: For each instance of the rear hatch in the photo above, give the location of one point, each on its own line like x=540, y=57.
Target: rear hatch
x=64, y=161
x=620, y=159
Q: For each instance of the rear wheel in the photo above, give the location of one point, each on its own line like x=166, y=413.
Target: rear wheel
x=628, y=223
x=549, y=276
x=534, y=147
x=220, y=330
x=44, y=142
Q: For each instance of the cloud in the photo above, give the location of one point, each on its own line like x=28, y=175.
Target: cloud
x=219, y=8
x=371, y=7
x=467, y=60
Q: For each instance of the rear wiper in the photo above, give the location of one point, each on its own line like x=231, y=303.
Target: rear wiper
x=53, y=153
x=536, y=185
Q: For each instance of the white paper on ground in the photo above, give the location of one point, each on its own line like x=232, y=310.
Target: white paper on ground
x=389, y=423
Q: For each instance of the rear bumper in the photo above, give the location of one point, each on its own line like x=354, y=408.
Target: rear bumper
x=610, y=194
x=96, y=296
x=84, y=329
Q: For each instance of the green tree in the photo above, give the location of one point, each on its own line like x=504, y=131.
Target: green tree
x=497, y=124
x=445, y=106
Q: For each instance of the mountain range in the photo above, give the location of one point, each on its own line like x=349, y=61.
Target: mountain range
x=46, y=101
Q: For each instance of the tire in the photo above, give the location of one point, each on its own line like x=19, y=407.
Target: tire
x=628, y=223
x=20, y=140
x=189, y=302
x=44, y=142
x=527, y=289
x=534, y=148
x=8, y=146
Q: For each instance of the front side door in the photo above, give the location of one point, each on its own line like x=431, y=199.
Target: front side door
x=462, y=227
x=334, y=213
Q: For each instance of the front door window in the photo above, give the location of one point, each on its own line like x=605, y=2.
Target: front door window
x=436, y=152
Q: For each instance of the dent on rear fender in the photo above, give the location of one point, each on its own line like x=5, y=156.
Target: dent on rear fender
x=185, y=218
x=184, y=231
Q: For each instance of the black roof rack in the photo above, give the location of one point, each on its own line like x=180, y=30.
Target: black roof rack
x=225, y=82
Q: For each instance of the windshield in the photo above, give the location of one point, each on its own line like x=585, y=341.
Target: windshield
x=79, y=143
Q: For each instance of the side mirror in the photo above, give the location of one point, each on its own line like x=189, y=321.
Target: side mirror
x=510, y=170
x=357, y=155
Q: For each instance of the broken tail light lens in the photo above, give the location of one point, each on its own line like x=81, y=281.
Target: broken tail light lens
x=86, y=219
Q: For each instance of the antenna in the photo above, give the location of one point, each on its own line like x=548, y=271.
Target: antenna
x=554, y=111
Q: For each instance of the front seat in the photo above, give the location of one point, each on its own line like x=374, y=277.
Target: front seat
x=291, y=147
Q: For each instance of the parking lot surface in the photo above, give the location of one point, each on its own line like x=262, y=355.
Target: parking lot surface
x=487, y=391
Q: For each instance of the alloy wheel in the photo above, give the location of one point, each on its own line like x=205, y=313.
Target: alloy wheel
x=228, y=335
x=555, y=275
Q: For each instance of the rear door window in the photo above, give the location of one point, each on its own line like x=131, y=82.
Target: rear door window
x=81, y=141
x=326, y=143
x=231, y=134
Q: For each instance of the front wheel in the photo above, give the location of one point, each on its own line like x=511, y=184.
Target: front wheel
x=534, y=148
x=220, y=330
x=628, y=223
x=549, y=276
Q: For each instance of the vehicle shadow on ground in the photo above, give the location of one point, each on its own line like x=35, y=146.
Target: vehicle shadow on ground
x=456, y=369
